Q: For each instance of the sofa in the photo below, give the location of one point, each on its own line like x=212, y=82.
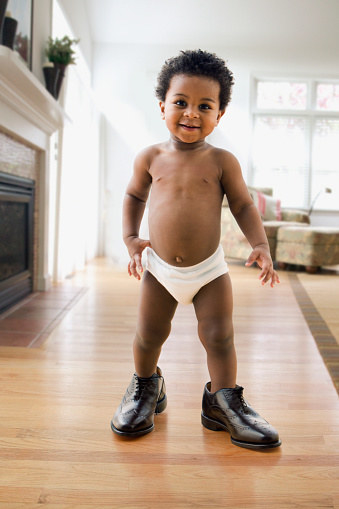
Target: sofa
x=234, y=242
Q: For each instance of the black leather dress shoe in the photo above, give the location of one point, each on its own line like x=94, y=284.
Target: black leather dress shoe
x=227, y=410
x=144, y=398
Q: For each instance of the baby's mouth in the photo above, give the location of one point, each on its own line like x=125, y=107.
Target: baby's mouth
x=189, y=127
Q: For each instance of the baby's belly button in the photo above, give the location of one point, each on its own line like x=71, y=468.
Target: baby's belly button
x=178, y=259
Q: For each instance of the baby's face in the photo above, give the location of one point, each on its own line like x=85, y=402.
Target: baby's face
x=191, y=108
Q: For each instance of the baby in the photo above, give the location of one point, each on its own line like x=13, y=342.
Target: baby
x=185, y=262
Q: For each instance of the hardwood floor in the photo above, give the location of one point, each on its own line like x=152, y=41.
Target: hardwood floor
x=56, y=446
x=324, y=292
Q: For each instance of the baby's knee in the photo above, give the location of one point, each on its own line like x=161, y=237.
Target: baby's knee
x=149, y=338
x=216, y=336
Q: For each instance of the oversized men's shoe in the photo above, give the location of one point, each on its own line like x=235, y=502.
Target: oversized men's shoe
x=144, y=398
x=227, y=410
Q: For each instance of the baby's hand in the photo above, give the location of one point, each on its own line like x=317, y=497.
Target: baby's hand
x=261, y=255
x=135, y=249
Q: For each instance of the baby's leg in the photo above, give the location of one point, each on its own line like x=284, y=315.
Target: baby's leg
x=156, y=310
x=213, y=307
x=146, y=394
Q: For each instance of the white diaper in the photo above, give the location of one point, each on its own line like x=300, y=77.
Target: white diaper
x=183, y=283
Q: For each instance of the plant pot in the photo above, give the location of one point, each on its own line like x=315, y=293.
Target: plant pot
x=51, y=74
x=9, y=31
x=3, y=7
x=61, y=69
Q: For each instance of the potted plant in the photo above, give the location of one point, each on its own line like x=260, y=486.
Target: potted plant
x=60, y=54
x=8, y=30
x=3, y=7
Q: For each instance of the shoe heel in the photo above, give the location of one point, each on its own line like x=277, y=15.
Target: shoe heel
x=209, y=424
x=161, y=405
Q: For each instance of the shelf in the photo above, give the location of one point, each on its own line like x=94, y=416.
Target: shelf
x=24, y=93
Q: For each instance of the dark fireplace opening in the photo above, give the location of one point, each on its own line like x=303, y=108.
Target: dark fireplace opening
x=16, y=239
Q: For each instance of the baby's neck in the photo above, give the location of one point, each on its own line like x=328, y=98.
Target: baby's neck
x=176, y=144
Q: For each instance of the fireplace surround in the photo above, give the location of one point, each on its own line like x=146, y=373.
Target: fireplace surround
x=29, y=116
x=16, y=238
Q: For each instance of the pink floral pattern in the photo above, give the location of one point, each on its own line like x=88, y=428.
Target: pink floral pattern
x=310, y=246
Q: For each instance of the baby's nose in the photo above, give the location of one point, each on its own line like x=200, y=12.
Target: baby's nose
x=191, y=112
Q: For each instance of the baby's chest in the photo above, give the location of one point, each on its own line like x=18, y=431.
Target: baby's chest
x=192, y=175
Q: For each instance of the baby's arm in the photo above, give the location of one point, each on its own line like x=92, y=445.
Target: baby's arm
x=248, y=218
x=133, y=210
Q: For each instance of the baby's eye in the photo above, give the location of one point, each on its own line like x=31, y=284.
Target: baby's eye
x=204, y=106
x=180, y=102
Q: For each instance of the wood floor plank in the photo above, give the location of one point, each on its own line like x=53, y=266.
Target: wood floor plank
x=56, y=400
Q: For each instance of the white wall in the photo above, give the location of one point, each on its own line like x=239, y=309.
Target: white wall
x=76, y=14
x=124, y=81
x=74, y=227
x=42, y=29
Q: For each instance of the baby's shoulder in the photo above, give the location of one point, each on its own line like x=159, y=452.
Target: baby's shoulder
x=223, y=157
x=148, y=154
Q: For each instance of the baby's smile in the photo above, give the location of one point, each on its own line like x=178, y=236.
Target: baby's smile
x=189, y=127
x=191, y=107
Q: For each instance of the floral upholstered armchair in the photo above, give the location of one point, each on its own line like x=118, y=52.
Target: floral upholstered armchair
x=234, y=242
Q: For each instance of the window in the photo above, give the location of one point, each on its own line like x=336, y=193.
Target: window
x=327, y=97
x=296, y=141
x=281, y=95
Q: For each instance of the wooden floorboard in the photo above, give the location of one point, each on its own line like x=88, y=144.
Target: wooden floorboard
x=56, y=446
x=324, y=293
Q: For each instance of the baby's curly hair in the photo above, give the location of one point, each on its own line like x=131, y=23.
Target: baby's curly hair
x=196, y=63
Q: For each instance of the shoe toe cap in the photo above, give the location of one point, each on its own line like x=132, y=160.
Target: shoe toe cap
x=130, y=422
x=259, y=434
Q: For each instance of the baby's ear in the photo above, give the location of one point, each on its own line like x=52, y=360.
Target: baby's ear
x=220, y=114
x=162, y=109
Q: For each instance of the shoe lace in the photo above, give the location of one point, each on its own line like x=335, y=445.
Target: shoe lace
x=242, y=400
x=141, y=384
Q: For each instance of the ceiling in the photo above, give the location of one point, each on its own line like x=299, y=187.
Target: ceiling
x=232, y=23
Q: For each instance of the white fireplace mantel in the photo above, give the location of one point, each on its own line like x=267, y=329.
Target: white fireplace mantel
x=32, y=115
x=26, y=108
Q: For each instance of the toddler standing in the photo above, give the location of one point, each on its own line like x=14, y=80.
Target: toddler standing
x=185, y=261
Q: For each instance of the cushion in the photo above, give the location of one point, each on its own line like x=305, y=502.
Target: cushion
x=269, y=208
x=312, y=235
x=272, y=227
x=310, y=245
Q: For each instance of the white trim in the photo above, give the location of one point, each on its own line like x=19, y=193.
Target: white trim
x=25, y=95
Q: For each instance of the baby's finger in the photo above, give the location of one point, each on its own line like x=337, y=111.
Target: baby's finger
x=265, y=274
x=275, y=279
x=133, y=270
x=251, y=259
x=264, y=278
x=138, y=263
